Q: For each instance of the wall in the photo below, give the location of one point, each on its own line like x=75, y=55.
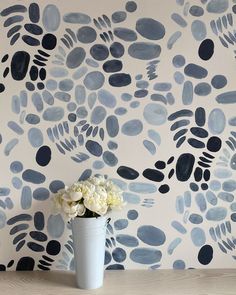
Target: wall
x=143, y=92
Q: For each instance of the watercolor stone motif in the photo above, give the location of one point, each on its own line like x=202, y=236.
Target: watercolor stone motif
x=138, y=93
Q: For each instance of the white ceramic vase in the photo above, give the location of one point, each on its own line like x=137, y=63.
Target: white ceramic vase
x=89, y=236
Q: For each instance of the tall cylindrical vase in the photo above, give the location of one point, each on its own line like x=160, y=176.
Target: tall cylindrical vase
x=89, y=249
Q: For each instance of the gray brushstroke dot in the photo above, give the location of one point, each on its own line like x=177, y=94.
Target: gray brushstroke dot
x=219, y=81
x=178, y=61
x=33, y=176
x=15, y=127
x=125, y=34
x=134, y=104
x=55, y=226
x=3, y=219
x=187, y=94
x=201, y=202
x=47, y=97
x=57, y=72
x=179, y=20
x=51, y=18
x=131, y=198
x=202, y=89
x=132, y=127
x=75, y=58
x=187, y=199
x=150, y=29
x=151, y=235
x=92, y=97
x=106, y=98
x=120, y=224
x=127, y=240
x=126, y=96
x=55, y=185
x=216, y=214
x=9, y=203
x=196, y=11
x=26, y=198
x=216, y=121
x=173, y=39
x=112, y=145
x=211, y=198
x=142, y=188
x=155, y=114
x=198, y=236
x=92, y=63
x=119, y=16
x=53, y=114
x=215, y=185
x=79, y=73
x=63, y=96
x=37, y=101
x=227, y=97
x=132, y=214
x=4, y=191
x=195, y=218
x=16, y=167
x=86, y=34
x=145, y=255
x=81, y=112
x=155, y=136
x=232, y=121
x=66, y=85
x=77, y=18
x=98, y=165
x=35, y=137
x=179, y=77
x=98, y=115
x=179, y=227
x=41, y=194
x=10, y=146
x=80, y=94
x=23, y=98
x=162, y=86
x=94, y=148
x=120, y=111
x=51, y=84
x=149, y=146
x=94, y=80
x=217, y=6
x=195, y=71
x=229, y=185
x=16, y=182
x=71, y=106
x=179, y=264
x=222, y=173
x=109, y=158
x=227, y=197
x=112, y=126
x=142, y=84
x=144, y=50
x=198, y=29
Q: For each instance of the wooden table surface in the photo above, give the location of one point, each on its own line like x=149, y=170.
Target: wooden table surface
x=171, y=282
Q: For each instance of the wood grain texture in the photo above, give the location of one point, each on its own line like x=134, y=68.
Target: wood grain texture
x=171, y=282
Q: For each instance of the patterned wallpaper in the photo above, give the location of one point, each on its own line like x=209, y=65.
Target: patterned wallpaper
x=141, y=91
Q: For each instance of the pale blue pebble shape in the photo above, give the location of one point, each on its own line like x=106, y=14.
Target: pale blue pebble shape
x=120, y=111
x=3, y=219
x=23, y=98
x=180, y=2
x=33, y=176
x=10, y=146
x=162, y=86
x=215, y=185
x=109, y=158
x=112, y=126
x=155, y=136
x=26, y=198
x=48, y=97
x=142, y=188
x=178, y=61
x=179, y=78
x=92, y=63
x=216, y=214
x=131, y=198
x=227, y=197
x=155, y=114
x=126, y=96
x=106, y=98
x=92, y=97
x=198, y=236
x=198, y=29
x=51, y=84
x=41, y=194
x=15, y=127
x=16, y=167
x=58, y=72
x=151, y=235
x=187, y=199
x=53, y=114
x=120, y=183
x=16, y=182
x=79, y=73
x=150, y=146
x=202, y=89
x=35, y=137
x=98, y=115
x=211, y=198
x=15, y=104
x=51, y=18
x=9, y=203
x=75, y=58
x=187, y=94
x=94, y=80
x=127, y=240
x=71, y=106
x=62, y=96
x=173, y=245
x=134, y=104
x=37, y=101
x=132, y=127
x=233, y=207
x=227, y=97
x=179, y=205
x=80, y=94
x=201, y=202
x=132, y=214
x=142, y=84
x=4, y=191
x=98, y=165
x=222, y=173
x=173, y=39
x=179, y=20
x=179, y=264
x=145, y=255
x=86, y=174
x=195, y=218
x=66, y=84
x=179, y=227
x=232, y=121
x=144, y=50
x=121, y=224
x=229, y=185
x=55, y=226
x=77, y=18
x=216, y=121
x=217, y=6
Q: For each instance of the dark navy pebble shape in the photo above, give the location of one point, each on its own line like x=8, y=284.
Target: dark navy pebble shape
x=35, y=247
x=198, y=174
x=33, y=176
x=99, y=52
x=205, y=254
x=171, y=159
x=200, y=116
x=2, y=87
x=160, y=165
x=33, y=73
x=49, y=41
x=195, y=71
x=94, y=148
x=19, y=65
x=39, y=220
x=206, y=49
x=43, y=156
x=117, y=49
x=199, y=132
x=25, y=264
x=53, y=247
x=112, y=66
x=214, y=144
x=153, y=175
x=34, y=12
x=13, y=9
x=163, y=189
x=30, y=40
x=127, y=172
x=207, y=175
x=38, y=236
x=33, y=29
x=115, y=267
x=196, y=143
x=184, y=166
x=119, y=80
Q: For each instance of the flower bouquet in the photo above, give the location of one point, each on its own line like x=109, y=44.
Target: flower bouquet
x=85, y=204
